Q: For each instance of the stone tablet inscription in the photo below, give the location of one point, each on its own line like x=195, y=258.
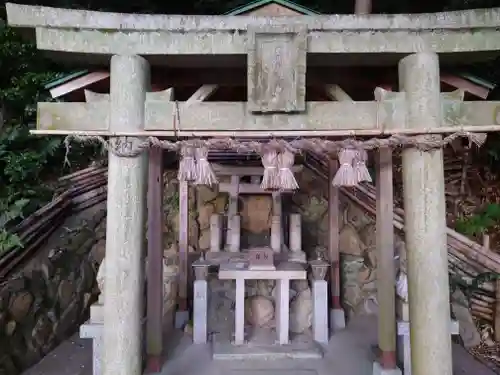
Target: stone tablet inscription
x=261, y=258
x=277, y=70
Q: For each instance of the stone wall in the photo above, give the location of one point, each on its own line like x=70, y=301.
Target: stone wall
x=45, y=303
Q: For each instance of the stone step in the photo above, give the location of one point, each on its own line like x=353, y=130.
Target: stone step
x=97, y=313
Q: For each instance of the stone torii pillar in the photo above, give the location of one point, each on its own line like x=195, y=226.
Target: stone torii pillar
x=125, y=234
x=425, y=222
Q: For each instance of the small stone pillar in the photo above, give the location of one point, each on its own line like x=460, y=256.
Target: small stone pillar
x=425, y=221
x=235, y=233
x=295, y=235
x=200, y=303
x=320, y=301
x=215, y=233
x=276, y=238
x=125, y=231
x=239, y=312
x=282, y=311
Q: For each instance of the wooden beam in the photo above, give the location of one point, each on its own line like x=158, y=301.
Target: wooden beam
x=334, y=235
x=335, y=92
x=78, y=83
x=363, y=7
x=465, y=84
x=237, y=77
x=154, y=297
x=154, y=301
x=225, y=187
x=227, y=170
x=386, y=291
x=203, y=93
x=233, y=119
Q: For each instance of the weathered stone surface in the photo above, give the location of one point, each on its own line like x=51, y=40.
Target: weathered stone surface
x=256, y=213
x=467, y=328
x=355, y=216
x=349, y=241
x=10, y=328
x=301, y=310
x=65, y=293
x=259, y=311
x=20, y=305
x=368, y=236
x=44, y=303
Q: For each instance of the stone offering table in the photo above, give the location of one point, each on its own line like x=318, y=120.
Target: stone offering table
x=284, y=272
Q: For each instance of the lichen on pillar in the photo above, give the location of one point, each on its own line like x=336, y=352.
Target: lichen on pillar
x=425, y=222
x=125, y=234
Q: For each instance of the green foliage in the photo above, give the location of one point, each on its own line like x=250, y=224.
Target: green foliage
x=28, y=163
x=9, y=213
x=481, y=222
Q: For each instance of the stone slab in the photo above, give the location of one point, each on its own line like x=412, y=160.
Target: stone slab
x=40, y=16
x=225, y=350
x=404, y=328
x=378, y=370
x=91, y=330
x=97, y=313
x=290, y=271
x=337, y=319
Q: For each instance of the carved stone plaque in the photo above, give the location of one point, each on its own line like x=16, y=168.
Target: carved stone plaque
x=261, y=258
x=277, y=69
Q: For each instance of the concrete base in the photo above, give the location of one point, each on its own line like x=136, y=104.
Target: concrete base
x=378, y=370
x=404, y=343
x=181, y=319
x=337, y=319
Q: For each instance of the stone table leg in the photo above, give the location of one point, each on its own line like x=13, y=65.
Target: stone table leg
x=239, y=313
x=320, y=311
x=282, y=310
x=200, y=312
x=321, y=333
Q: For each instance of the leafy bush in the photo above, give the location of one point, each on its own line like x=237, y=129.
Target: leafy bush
x=481, y=222
x=28, y=163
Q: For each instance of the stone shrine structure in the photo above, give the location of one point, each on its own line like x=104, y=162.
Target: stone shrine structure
x=280, y=56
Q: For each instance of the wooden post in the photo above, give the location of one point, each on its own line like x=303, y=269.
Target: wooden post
x=386, y=277
x=154, y=321
x=183, y=251
x=337, y=316
x=363, y=7
x=425, y=221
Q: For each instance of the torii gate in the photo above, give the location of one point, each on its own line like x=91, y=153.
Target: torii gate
x=277, y=49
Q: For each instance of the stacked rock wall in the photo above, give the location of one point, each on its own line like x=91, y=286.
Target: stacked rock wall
x=45, y=303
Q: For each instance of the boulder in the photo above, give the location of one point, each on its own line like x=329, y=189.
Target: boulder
x=301, y=312
x=259, y=311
